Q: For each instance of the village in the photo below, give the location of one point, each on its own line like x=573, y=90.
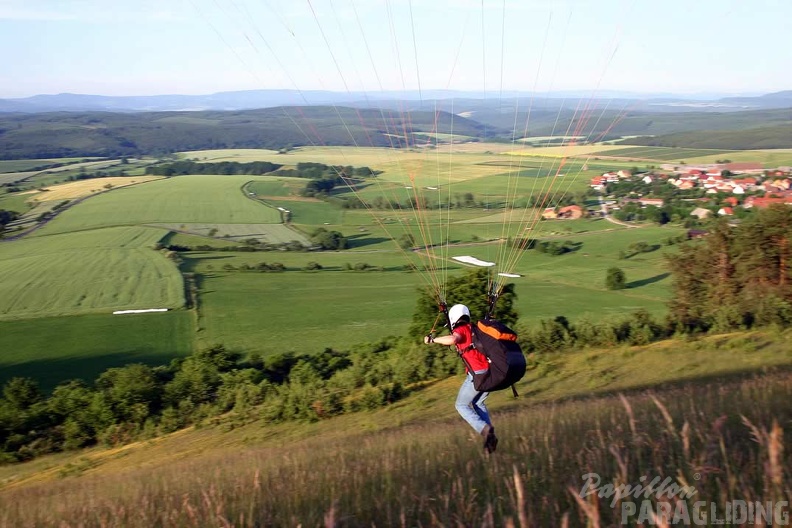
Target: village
x=722, y=187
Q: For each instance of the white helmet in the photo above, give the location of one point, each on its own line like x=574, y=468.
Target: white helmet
x=456, y=313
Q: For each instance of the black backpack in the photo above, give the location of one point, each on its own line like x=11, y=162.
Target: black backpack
x=506, y=359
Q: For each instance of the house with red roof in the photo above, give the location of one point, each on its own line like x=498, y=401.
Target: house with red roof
x=761, y=202
x=571, y=212
x=597, y=183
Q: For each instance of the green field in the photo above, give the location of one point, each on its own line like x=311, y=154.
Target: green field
x=87, y=272
x=53, y=349
x=244, y=309
x=14, y=202
x=770, y=158
x=664, y=153
x=184, y=199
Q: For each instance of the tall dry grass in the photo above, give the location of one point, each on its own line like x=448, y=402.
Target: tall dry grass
x=727, y=440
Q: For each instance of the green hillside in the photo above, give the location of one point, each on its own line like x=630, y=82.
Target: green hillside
x=711, y=419
x=63, y=134
x=761, y=137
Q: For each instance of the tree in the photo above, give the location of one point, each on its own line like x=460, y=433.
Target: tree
x=21, y=393
x=331, y=240
x=615, y=279
x=470, y=289
x=406, y=241
x=132, y=391
x=6, y=217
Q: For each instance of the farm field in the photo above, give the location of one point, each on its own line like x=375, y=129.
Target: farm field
x=243, y=309
x=301, y=311
x=53, y=349
x=182, y=199
x=770, y=158
x=88, y=272
x=664, y=153
x=263, y=312
x=83, y=188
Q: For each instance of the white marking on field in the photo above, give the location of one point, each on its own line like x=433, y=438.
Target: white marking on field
x=147, y=310
x=467, y=259
x=512, y=275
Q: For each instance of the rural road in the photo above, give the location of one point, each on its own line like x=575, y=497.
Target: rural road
x=610, y=219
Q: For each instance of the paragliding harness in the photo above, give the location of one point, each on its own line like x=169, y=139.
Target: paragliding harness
x=499, y=345
x=506, y=360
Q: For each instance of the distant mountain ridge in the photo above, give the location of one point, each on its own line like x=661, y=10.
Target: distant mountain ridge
x=414, y=100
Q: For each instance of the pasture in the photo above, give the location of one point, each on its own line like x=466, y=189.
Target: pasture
x=245, y=309
x=87, y=272
x=182, y=199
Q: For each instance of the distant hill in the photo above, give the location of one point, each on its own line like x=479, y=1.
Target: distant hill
x=80, y=134
x=631, y=122
x=62, y=134
x=449, y=100
x=769, y=137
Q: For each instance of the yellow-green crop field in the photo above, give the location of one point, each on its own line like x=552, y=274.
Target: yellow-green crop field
x=185, y=199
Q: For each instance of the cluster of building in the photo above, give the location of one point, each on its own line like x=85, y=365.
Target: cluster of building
x=765, y=186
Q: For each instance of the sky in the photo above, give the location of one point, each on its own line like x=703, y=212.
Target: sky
x=153, y=47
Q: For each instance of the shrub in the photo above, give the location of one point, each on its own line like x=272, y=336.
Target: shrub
x=615, y=279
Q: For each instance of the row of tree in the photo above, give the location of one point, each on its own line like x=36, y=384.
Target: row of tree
x=180, y=168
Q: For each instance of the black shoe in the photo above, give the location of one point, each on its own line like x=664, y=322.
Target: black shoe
x=490, y=440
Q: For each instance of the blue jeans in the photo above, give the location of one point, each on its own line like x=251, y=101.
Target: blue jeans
x=470, y=404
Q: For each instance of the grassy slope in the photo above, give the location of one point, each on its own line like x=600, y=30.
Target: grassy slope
x=428, y=412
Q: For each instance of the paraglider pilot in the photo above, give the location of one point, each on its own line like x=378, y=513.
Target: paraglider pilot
x=470, y=403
